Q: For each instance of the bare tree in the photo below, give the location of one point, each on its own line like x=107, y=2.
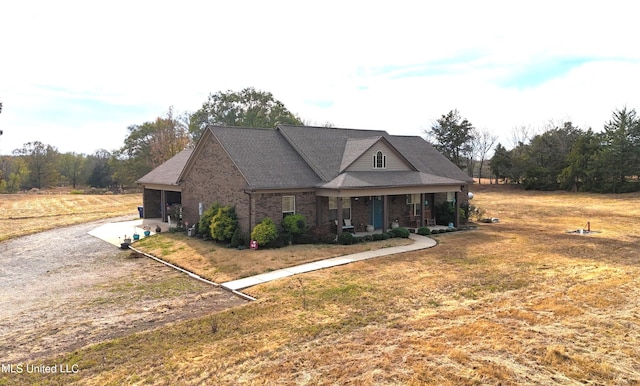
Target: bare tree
x=521, y=135
x=485, y=141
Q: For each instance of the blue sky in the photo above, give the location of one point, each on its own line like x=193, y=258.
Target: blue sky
x=76, y=74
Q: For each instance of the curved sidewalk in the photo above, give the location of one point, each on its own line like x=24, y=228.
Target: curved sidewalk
x=420, y=242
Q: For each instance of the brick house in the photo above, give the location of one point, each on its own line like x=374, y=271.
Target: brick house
x=331, y=176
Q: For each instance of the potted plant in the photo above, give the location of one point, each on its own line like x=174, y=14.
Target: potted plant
x=126, y=242
x=370, y=228
x=147, y=230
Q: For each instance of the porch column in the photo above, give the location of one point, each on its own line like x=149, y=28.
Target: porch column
x=385, y=213
x=422, y=214
x=457, y=209
x=163, y=205
x=339, y=216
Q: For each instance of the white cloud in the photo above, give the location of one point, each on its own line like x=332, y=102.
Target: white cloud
x=374, y=65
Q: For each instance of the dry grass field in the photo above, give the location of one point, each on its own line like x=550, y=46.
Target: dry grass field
x=30, y=213
x=517, y=302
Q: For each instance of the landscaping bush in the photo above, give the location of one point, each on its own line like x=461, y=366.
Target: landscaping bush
x=224, y=224
x=400, y=232
x=385, y=236
x=279, y=242
x=445, y=213
x=345, y=238
x=377, y=236
x=295, y=225
x=424, y=231
x=204, y=226
x=390, y=235
x=236, y=239
x=328, y=238
x=265, y=232
x=308, y=239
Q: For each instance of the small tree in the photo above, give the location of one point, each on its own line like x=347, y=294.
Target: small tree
x=223, y=224
x=204, y=226
x=265, y=232
x=295, y=225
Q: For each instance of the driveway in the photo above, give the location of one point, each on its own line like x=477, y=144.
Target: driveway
x=63, y=289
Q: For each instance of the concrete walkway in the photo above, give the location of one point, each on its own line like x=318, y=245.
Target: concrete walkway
x=420, y=242
x=115, y=232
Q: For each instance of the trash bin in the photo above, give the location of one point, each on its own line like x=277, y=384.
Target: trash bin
x=141, y=211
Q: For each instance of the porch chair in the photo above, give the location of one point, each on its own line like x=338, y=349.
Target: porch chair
x=347, y=225
x=431, y=222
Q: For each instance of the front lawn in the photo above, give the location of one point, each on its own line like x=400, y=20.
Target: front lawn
x=220, y=264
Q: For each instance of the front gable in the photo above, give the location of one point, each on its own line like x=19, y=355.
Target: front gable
x=373, y=154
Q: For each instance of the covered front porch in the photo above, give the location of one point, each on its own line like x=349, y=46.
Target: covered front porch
x=353, y=211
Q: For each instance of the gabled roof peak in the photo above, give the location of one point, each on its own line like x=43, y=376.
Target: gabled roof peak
x=355, y=148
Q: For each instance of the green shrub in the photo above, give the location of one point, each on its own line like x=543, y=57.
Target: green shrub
x=204, y=226
x=445, y=213
x=424, y=231
x=308, y=239
x=400, y=232
x=295, y=225
x=280, y=241
x=265, y=232
x=224, y=224
x=236, y=239
x=345, y=238
x=390, y=235
x=377, y=236
x=368, y=237
x=385, y=236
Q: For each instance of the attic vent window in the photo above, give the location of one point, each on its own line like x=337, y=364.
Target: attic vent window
x=379, y=161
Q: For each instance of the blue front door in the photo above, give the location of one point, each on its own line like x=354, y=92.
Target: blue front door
x=376, y=212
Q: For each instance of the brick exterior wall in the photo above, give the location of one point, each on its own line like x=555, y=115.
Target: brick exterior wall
x=214, y=178
x=270, y=205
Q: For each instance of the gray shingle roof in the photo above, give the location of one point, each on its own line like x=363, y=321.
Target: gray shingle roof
x=265, y=158
x=307, y=157
x=169, y=171
x=375, y=179
x=323, y=149
x=354, y=148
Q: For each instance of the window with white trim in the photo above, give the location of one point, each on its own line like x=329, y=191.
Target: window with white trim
x=451, y=196
x=333, y=208
x=413, y=200
x=379, y=160
x=288, y=205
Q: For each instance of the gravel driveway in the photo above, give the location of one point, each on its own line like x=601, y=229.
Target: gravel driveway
x=63, y=289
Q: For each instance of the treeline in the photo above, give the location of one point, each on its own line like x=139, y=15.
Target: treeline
x=147, y=145
x=569, y=158
x=561, y=157
x=41, y=166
